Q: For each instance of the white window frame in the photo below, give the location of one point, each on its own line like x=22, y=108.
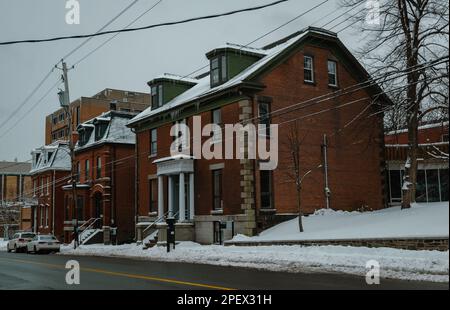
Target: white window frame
x=310, y=69
x=333, y=73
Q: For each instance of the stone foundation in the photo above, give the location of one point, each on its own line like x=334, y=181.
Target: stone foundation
x=438, y=244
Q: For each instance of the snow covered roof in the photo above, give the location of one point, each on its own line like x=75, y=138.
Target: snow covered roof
x=116, y=131
x=55, y=156
x=203, y=87
x=422, y=127
x=174, y=77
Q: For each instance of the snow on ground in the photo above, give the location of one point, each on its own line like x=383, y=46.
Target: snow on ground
x=3, y=244
x=421, y=220
x=394, y=263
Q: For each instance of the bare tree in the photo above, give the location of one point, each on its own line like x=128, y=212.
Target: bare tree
x=408, y=40
x=293, y=144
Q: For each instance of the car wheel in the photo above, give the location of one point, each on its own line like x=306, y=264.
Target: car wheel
x=15, y=248
x=8, y=249
x=35, y=250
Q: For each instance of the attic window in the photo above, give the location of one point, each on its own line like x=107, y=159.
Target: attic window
x=157, y=96
x=218, y=70
x=49, y=155
x=100, y=130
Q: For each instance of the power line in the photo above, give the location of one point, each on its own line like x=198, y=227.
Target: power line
x=31, y=108
x=147, y=27
x=24, y=102
x=102, y=28
x=115, y=35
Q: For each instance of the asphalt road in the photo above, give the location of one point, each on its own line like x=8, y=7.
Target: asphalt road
x=25, y=271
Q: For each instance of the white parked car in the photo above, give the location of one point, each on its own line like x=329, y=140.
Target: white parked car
x=19, y=241
x=43, y=243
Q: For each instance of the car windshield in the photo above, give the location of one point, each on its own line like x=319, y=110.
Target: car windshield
x=27, y=235
x=47, y=238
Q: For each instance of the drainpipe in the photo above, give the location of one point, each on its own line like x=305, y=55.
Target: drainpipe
x=325, y=168
x=53, y=202
x=136, y=184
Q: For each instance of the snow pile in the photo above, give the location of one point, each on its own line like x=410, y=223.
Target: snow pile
x=394, y=263
x=421, y=220
x=3, y=244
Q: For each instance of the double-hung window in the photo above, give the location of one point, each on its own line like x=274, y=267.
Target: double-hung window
x=86, y=170
x=332, y=73
x=153, y=142
x=217, y=189
x=308, y=69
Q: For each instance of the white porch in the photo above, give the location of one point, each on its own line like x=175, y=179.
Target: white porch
x=180, y=172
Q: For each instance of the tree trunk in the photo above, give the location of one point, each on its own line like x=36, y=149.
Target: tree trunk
x=300, y=222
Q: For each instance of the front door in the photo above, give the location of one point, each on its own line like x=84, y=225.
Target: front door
x=98, y=209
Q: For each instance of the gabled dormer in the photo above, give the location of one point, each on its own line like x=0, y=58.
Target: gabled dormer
x=166, y=87
x=229, y=60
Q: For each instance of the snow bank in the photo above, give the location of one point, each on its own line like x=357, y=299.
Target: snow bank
x=394, y=263
x=421, y=220
x=3, y=244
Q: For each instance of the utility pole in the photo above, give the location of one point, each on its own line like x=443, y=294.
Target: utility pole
x=65, y=103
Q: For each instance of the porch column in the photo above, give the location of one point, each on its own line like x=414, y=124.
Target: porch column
x=181, y=199
x=160, y=196
x=191, y=197
x=170, y=196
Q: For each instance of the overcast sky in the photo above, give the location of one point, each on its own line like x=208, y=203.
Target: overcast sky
x=129, y=60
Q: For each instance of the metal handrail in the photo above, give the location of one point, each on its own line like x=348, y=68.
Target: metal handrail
x=155, y=222
x=85, y=223
x=89, y=227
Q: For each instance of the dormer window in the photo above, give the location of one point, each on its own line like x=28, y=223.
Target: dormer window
x=157, y=96
x=100, y=130
x=49, y=155
x=218, y=70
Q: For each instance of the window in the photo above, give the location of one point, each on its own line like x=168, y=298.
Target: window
x=99, y=167
x=308, y=69
x=433, y=189
x=216, y=119
x=157, y=96
x=182, y=135
x=444, y=137
x=42, y=215
x=54, y=119
x=153, y=142
x=332, y=73
x=42, y=187
x=266, y=189
x=100, y=130
x=78, y=115
x=153, y=199
x=264, y=118
x=46, y=215
x=86, y=169
x=78, y=173
x=217, y=189
x=218, y=68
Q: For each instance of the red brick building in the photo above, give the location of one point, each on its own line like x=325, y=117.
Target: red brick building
x=104, y=156
x=432, y=174
x=50, y=171
x=282, y=83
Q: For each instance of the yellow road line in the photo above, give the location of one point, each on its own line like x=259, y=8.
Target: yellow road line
x=127, y=275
